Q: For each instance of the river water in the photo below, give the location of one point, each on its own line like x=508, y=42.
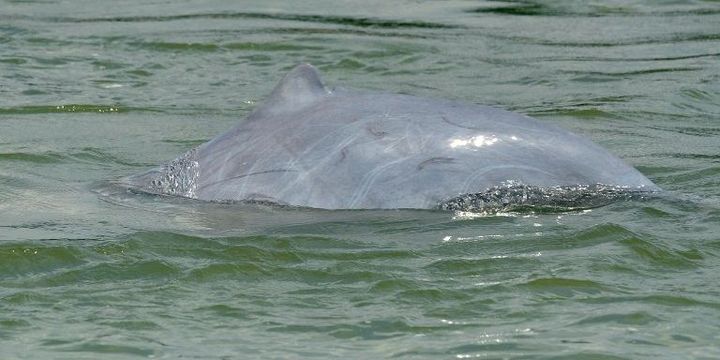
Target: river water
x=93, y=91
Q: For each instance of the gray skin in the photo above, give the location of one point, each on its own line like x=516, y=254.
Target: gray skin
x=311, y=146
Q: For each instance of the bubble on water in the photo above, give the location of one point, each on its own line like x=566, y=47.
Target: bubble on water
x=178, y=177
x=514, y=197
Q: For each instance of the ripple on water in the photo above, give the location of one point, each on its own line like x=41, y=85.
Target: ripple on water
x=143, y=271
x=19, y=261
x=479, y=266
x=669, y=300
x=107, y=347
x=564, y=9
x=564, y=287
x=329, y=19
x=362, y=330
x=138, y=276
x=654, y=253
x=225, y=311
x=47, y=158
x=72, y=108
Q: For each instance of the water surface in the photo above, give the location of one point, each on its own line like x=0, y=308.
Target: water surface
x=93, y=91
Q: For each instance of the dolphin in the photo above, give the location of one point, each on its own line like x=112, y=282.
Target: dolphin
x=312, y=146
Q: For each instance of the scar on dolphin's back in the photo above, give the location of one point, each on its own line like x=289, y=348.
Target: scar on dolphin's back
x=434, y=161
x=445, y=119
x=343, y=154
x=373, y=129
x=246, y=175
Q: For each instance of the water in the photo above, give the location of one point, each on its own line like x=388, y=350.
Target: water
x=93, y=91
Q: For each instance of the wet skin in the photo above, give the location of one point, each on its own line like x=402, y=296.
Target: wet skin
x=308, y=145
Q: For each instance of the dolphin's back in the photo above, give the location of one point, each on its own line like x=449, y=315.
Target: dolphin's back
x=343, y=149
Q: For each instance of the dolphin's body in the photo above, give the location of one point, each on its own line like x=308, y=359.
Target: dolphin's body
x=311, y=146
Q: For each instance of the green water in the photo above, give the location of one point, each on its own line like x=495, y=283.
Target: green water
x=92, y=91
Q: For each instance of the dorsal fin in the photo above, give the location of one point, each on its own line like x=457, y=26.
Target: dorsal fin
x=299, y=88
